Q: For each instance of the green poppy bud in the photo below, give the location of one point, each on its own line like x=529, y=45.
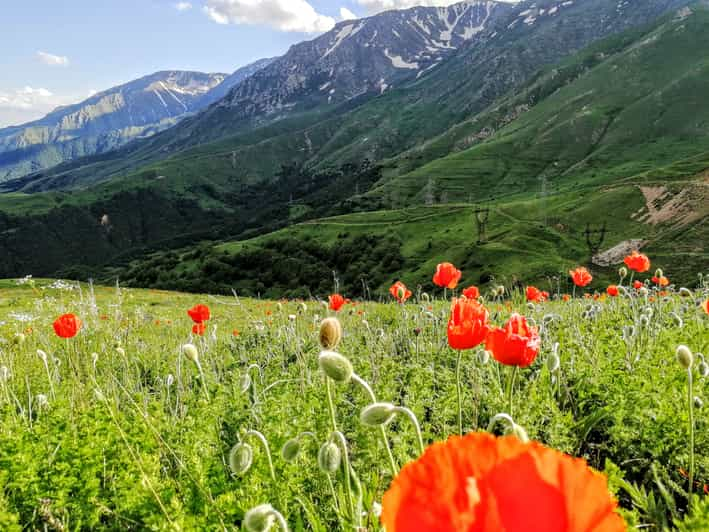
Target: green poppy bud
x=260, y=519
x=190, y=351
x=698, y=403
x=623, y=272
x=241, y=457
x=336, y=366
x=703, y=369
x=290, y=450
x=377, y=414
x=685, y=357
x=245, y=382
x=329, y=458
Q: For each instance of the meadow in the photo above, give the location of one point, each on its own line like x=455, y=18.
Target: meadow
x=150, y=418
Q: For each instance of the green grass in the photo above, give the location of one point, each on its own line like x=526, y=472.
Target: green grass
x=117, y=447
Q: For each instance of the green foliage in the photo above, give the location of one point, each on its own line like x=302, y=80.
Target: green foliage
x=128, y=439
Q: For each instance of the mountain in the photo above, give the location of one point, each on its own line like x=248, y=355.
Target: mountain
x=351, y=64
x=522, y=115
x=614, y=137
x=111, y=118
x=231, y=81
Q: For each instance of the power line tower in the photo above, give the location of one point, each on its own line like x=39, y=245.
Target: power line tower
x=595, y=238
x=482, y=216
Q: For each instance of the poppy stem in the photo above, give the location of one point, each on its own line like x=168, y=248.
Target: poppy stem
x=459, y=392
x=330, y=403
x=510, y=387
x=690, y=398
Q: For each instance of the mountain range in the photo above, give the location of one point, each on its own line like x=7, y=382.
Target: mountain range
x=389, y=143
x=112, y=118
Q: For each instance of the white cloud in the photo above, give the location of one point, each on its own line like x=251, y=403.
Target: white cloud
x=346, y=14
x=183, y=6
x=53, y=60
x=377, y=6
x=28, y=103
x=283, y=15
x=24, y=98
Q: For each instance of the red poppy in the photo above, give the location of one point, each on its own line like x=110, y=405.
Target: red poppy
x=199, y=329
x=235, y=332
x=399, y=291
x=447, y=275
x=67, y=326
x=199, y=313
x=705, y=306
x=515, y=344
x=534, y=295
x=566, y=297
x=581, y=277
x=479, y=483
x=467, y=325
x=637, y=262
x=471, y=292
x=637, y=285
x=661, y=281
x=612, y=290
x=336, y=302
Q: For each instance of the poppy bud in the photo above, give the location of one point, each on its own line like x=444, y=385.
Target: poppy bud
x=290, y=450
x=623, y=272
x=685, y=357
x=329, y=458
x=42, y=401
x=659, y=273
x=483, y=356
x=643, y=291
x=245, y=383
x=241, y=457
x=553, y=362
x=303, y=307
x=121, y=351
x=703, y=369
x=335, y=366
x=42, y=355
x=260, y=519
x=330, y=333
x=685, y=292
x=170, y=380
x=190, y=352
x=698, y=403
x=19, y=339
x=377, y=414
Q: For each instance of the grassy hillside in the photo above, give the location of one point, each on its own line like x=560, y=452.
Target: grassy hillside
x=122, y=428
x=635, y=109
x=527, y=240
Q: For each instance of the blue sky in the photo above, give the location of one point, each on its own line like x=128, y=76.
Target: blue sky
x=57, y=52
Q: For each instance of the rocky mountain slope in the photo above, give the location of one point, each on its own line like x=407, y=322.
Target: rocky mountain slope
x=111, y=118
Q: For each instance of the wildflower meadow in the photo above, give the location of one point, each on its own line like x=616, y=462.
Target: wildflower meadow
x=503, y=407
